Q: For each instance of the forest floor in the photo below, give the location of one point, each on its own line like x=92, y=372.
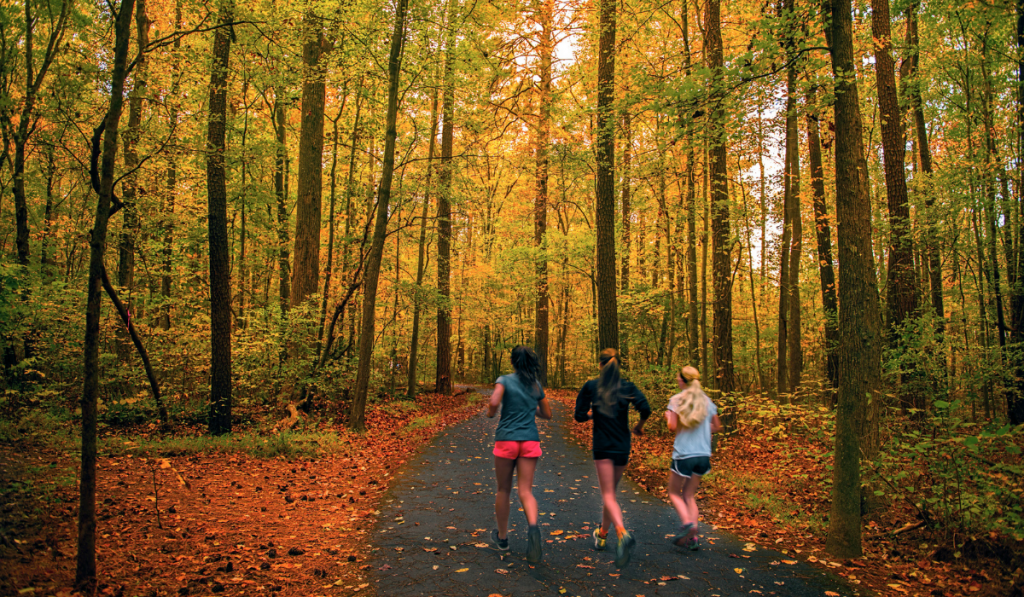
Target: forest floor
x=774, y=494
x=211, y=522
x=176, y=521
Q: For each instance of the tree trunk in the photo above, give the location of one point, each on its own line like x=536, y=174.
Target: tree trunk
x=823, y=234
x=607, y=306
x=130, y=216
x=627, y=208
x=721, y=260
x=33, y=82
x=281, y=191
x=859, y=339
x=306, y=263
x=172, y=183
x=414, y=347
x=103, y=180
x=901, y=281
x=443, y=372
x=1015, y=399
x=931, y=236
x=357, y=413
x=796, y=356
x=540, y=209
x=220, y=258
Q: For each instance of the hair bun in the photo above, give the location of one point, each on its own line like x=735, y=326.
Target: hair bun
x=689, y=373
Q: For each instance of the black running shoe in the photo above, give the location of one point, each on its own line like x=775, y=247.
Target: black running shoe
x=533, y=550
x=499, y=544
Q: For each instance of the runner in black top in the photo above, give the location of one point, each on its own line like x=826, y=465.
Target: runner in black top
x=606, y=401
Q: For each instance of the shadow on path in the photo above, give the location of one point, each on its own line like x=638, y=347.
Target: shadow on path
x=433, y=535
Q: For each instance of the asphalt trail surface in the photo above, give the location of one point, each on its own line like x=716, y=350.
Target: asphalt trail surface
x=433, y=537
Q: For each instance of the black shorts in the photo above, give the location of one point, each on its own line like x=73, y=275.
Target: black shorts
x=617, y=458
x=697, y=465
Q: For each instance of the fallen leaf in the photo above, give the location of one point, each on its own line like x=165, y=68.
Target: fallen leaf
x=556, y=533
x=463, y=570
x=738, y=570
x=501, y=570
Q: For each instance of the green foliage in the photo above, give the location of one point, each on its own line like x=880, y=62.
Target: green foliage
x=959, y=475
x=422, y=422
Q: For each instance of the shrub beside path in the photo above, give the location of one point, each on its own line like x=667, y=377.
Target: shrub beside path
x=433, y=533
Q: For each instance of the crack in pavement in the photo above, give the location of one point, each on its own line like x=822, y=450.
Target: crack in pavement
x=433, y=533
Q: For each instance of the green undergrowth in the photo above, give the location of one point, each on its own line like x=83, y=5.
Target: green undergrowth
x=287, y=444
x=421, y=422
x=759, y=495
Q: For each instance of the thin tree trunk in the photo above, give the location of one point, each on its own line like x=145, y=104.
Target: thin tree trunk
x=627, y=208
x=693, y=327
x=129, y=214
x=540, y=209
x=607, y=303
x=220, y=258
x=103, y=181
x=281, y=190
x=172, y=182
x=443, y=375
x=414, y=347
x=330, y=225
x=357, y=419
x=705, y=236
x=1015, y=399
x=823, y=233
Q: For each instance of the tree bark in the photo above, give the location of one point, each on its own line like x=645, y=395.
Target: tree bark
x=823, y=233
x=167, y=250
x=1015, y=399
x=859, y=339
x=220, y=257
x=85, y=573
x=33, y=82
x=540, y=208
x=130, y=216
x=357, y=419
x=721, y=260
x=443, y=370
x=901, y=281
x=627, y=208
x=607, y=302
x=931, y=237
x=306, y=261
x=281, y=191
x=414, y=347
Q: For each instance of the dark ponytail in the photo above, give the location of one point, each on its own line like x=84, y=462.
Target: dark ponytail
x=527, y=365
x=608, y=383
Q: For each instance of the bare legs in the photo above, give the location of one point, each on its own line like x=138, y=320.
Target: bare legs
x=682, y=493
x=608, y=477
x=503, y=469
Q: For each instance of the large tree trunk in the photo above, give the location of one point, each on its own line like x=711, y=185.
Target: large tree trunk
x=443, y=371
x=220, y=258
x=540, y=208
x=901, y=281
x=357, y=413
x=103, y=180
x=607, y=303
x=306, y=261
x=721, y=259
x=421, y=266
x=859, y=339
x=823, y=234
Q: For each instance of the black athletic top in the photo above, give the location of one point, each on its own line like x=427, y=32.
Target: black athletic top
x=611, y=434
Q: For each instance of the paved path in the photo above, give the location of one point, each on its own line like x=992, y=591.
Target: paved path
x=434, y=529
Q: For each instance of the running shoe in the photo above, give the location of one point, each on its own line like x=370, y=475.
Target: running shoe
x=600, y=543
x=499, y=544
x=693, y=544
x=685, y=534
x=624, y=549
x=533, y=549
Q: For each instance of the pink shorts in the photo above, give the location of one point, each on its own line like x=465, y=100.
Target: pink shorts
x=513, y=450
